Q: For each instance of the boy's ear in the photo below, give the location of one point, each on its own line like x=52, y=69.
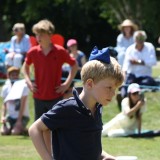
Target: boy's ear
x=89, y=83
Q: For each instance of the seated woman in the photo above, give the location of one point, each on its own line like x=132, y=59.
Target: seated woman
x=129, y=121
x=125, y=38
x=20, y=44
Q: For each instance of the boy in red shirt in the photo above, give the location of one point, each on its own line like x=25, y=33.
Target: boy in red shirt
x=47, y=60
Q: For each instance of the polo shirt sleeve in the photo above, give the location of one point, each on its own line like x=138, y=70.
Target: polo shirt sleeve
x=58, y=117
x=66, y=58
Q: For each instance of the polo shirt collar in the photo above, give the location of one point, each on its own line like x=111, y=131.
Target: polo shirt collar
x=40, y=48
x=80, y=103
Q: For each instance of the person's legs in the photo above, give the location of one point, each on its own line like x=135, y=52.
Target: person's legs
x=117, y=133
x=25, y=121
x=20, y=129
x=146, y=80
x=17, y=60
x=39, y=108
x=9, y=60
x=49, y=104
x=4, y=130
x=11, y=121
x=42, y=106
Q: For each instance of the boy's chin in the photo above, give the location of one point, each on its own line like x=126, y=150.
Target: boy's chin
x=105, y=103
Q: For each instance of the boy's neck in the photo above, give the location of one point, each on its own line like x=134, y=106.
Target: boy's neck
x=47, y=48
x=88, y=102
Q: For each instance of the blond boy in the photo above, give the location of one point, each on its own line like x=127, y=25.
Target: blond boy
x=47, y=60
x=76, y=123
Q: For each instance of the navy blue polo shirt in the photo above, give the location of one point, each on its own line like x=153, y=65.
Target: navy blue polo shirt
x=76, y=134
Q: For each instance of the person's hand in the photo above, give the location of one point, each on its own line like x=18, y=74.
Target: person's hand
x=12, y=55
x=133, y=61
x=109, y=157
x=62, y=88
x=3, y=119
x=32, y=86
x=140, y=103
x=106, y=156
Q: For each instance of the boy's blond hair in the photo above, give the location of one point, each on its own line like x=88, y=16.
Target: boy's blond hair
x=98, y=70
x=43, y=26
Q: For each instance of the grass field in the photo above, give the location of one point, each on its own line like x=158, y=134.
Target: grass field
x=21, y=148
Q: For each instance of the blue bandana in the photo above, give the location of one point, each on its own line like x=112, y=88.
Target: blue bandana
x=100, y=55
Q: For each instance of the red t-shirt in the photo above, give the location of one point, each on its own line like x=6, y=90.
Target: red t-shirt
x=48, y=70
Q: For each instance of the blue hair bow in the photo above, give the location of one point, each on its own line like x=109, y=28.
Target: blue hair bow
x=101, y=55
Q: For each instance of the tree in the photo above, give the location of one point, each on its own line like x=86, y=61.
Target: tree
x=145, y=13
x=86, y=20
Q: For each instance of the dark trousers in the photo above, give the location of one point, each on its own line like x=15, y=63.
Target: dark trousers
x=142, y=80
x=43, y=106
x=148, y=134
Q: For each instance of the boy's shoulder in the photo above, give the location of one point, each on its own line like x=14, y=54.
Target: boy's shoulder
x=59, y=48
x=67, y=103
x=34, y=49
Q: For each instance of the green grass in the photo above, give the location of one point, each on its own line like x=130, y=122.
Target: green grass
x=21, y=147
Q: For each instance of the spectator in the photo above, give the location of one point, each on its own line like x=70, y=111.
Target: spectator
x=20, y=44
x=76, y=123
x=77, y=54
x=47, y=59
x=139, y=59
x=72, y=46
x=129, y=121
x=125, y=38
x=15, y=104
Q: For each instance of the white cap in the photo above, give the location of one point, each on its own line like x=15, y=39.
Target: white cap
x=134, y=87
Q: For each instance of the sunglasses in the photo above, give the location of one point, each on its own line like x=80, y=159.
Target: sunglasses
x=17, y=30
x=135, y=93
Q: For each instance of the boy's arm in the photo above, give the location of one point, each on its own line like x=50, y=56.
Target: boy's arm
x=68, y=81
x=3, y=114
x=36, y=132
x=106, y=156
x=21, y=112
x=26, y=73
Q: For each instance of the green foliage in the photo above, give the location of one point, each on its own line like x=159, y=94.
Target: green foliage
x=145, y=13
x=91, y=22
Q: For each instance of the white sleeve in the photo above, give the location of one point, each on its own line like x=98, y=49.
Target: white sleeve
x=25, y=91
x=126, y=62
x=150, y=59
x=4, y=91
x=125, y=105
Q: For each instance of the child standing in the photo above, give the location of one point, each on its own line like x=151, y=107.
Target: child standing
x=47, y=60
x=76, y=122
